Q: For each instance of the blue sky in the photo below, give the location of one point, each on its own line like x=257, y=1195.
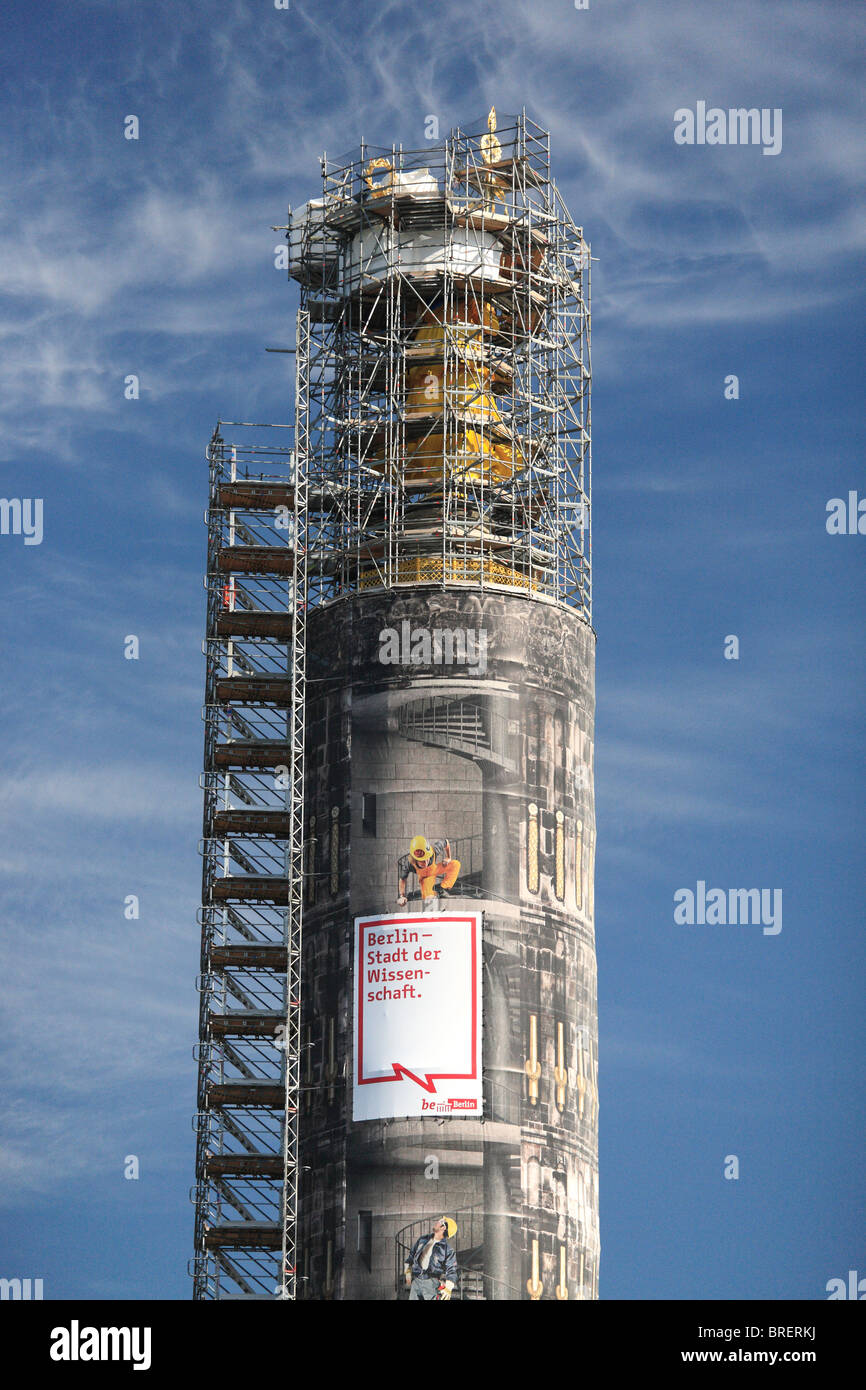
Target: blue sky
x=156, y=257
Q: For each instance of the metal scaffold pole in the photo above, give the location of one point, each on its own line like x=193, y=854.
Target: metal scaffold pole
x=295, y=805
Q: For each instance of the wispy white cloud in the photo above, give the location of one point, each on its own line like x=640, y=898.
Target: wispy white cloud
x=686, y=237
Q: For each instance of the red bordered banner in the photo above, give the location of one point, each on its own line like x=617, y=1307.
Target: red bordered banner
x=417, y=988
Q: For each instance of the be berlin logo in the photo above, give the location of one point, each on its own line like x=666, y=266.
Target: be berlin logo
x=738, y=126
x=732, y=907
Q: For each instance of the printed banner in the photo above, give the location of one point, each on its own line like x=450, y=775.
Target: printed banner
x=417, y=1015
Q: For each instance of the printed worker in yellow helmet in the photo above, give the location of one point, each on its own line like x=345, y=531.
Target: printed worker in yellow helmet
x=429, y=863
x=430, y=1269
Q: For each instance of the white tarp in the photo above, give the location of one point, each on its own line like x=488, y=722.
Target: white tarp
x=417, y=1015
x=378, y=251
x=310, y=240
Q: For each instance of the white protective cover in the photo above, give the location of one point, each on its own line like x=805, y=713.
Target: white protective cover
x=377, y=251
x=309, y=237
x=417, y=183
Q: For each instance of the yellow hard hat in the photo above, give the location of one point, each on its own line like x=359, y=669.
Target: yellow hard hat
x=450, y=1226
x=420, y=851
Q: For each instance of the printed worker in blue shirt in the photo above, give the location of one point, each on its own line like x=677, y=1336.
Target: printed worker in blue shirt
x=431, y=1269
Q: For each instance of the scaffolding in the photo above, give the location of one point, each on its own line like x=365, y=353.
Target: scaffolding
x=441, y=437
x=248, y=1047
x=448, y=368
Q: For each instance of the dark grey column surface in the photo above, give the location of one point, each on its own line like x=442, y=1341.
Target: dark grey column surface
x=523, y=1180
